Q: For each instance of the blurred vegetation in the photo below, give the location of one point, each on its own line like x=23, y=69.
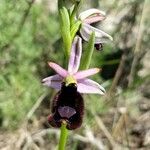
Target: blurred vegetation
x=30, y=37
x=26, y=46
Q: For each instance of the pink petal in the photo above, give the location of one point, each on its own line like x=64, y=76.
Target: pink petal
x=75, y=55
x=53, y=81
x=93, y=19
x=91, y=13
x=100, y=36
x=90, y=86
x=85, y=73
x=58, y=69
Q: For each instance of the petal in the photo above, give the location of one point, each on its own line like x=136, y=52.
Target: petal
x=85, y=73
x=75, y=55
x=53, y=81
x=62, y=72
x=100, y=36
x=92, y=13
x=93, y=19
x=90, y=86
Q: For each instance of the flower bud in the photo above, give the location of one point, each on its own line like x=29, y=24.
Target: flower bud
x=92, y=16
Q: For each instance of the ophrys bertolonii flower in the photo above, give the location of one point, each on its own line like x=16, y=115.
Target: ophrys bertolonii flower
x=93, y=16
x=68, y=103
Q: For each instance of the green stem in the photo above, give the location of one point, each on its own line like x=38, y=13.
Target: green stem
x=63, y=136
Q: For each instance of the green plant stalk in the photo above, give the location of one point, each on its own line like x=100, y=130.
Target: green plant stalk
x=63, y=136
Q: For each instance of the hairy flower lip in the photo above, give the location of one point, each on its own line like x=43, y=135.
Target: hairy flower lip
x=67, y=105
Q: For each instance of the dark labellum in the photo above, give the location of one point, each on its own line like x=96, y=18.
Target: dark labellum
x=99, y=46
x=67, y=105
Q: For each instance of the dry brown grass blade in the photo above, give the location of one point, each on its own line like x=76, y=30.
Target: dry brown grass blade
x=105, y=131
x=36, y=105
x=119, y=131
x=137, y=52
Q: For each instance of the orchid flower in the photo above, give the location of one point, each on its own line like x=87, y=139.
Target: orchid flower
x=72, y=75
x=87, y=18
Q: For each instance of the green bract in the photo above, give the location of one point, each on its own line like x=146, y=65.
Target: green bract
x=87, y=55
x=65, y=30
x=74, y=29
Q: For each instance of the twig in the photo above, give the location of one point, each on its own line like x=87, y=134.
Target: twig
x=138, y=43
x=35, y=106
x=43, y=132
x=25, y=15
x=86, y=139
x=129, y=20
x=117, y=75
x=97, y=142
x=105, y=131
x=30, y=142
x=126, y=134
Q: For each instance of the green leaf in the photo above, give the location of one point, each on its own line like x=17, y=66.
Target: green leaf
x=74, y=10
x=87, y=55
x=65, y=30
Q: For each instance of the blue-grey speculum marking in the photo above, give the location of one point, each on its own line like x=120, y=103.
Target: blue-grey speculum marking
x=66, y=111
